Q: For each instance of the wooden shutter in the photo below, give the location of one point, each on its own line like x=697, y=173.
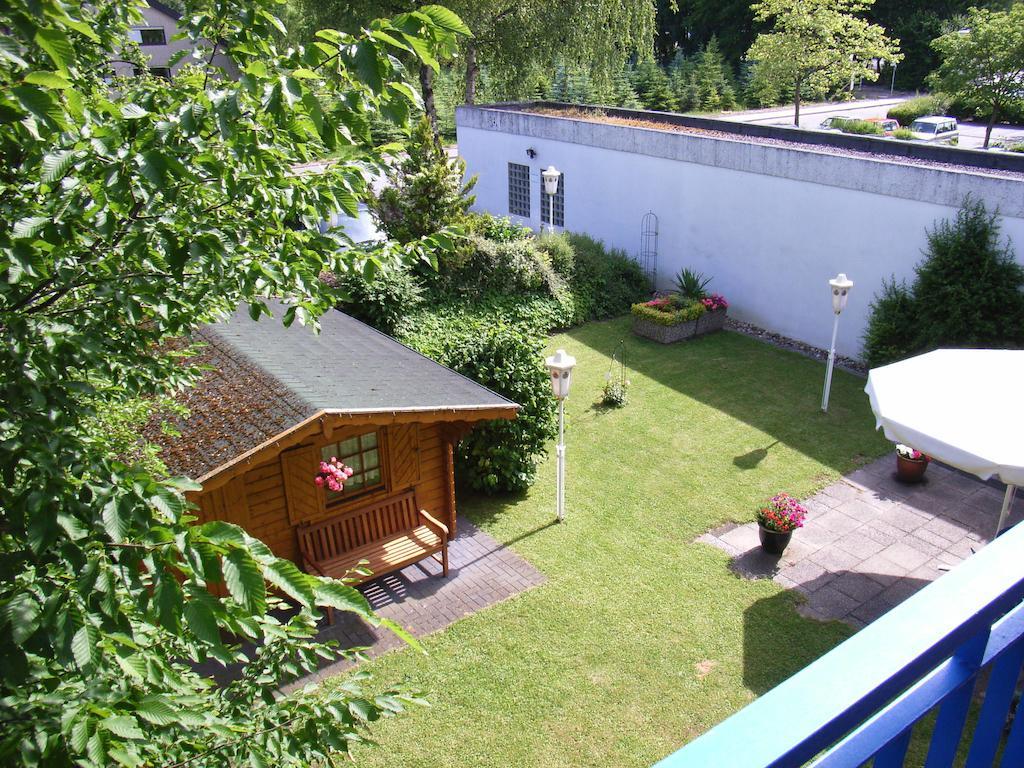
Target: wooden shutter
x=305, y=499
x=404, y=454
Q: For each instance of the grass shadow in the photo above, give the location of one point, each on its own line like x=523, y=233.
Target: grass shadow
x=777, y=392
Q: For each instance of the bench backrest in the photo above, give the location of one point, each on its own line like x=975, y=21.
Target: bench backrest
x=358, y=527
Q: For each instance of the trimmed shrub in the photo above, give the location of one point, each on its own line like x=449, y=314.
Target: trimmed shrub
x=903, y=133
x=500, y=229
x=969, y=289
x=480, y=266
x=858, y=127
x=668, y=311
x=891, y=331
x=606, y=282
x=922, y=106
x=384, y=301
x=969, y=292
x=500, y=456
x=560, y=253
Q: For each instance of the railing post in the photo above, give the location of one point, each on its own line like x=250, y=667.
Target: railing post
x=949, y=726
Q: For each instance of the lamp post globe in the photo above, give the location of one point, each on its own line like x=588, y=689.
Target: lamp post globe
x=551, y=176
x=560, y=367
x=839, y=286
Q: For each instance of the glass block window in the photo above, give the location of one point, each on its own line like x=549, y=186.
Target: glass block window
x=545, y=203
x=152, y=36
x=519, y=189
x=362, y=453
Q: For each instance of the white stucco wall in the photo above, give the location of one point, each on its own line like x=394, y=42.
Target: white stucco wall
x=770, y=238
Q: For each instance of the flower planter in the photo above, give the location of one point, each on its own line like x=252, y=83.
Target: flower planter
x=910, y=470
x=711, y=321
x=665, y=334
x=773, y=542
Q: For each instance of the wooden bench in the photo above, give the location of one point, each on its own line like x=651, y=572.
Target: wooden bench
x=388, y=535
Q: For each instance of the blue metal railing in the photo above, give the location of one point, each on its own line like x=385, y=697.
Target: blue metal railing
x=860, y=701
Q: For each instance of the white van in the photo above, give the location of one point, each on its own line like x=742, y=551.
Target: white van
x=935, y=128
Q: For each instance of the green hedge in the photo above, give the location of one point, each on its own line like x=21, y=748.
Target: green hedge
x=508, y=358
x=859, y=127
x=922, y=106
x=968, y=292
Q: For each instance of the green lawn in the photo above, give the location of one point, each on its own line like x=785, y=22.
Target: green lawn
x=641, y=639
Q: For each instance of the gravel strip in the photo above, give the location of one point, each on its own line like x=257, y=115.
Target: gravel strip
x=848, y=364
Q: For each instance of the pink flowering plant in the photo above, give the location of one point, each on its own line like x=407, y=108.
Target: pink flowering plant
x=714, y=301
x=910, y=453
x=333, y=475
x=782, y=514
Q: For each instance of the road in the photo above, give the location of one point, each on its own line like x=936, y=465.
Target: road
x=972, y=135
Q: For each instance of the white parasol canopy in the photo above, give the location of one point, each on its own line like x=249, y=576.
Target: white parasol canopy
x=964, y=407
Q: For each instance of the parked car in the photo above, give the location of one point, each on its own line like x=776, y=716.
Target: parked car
x=887, y=124
x=935, y=128
x=829, y=124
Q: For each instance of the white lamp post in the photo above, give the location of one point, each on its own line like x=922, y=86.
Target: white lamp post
x=551, y=176
x=840, y=286
x=560, y=365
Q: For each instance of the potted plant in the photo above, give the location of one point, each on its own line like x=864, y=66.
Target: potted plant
x=667, y=318
x=777, y=520
x=713, y=319
x=910, y=464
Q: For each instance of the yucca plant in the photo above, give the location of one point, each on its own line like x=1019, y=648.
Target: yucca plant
x=692, y=285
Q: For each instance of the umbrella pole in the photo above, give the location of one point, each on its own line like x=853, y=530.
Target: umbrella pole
x=1011, y=491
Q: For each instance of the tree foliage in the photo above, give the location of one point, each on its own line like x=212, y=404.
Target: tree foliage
x=425, y=193
x=983, y=64
x=815, y=44
x=137, y=212
x=968, y=292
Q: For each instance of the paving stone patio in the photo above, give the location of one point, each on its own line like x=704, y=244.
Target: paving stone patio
x=870, y=541
x=481, y=572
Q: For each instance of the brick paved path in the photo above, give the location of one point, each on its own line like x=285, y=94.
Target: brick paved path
x=870, y=542
x=481, y=572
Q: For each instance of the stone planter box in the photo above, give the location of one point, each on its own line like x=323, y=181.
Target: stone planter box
x=712, y=321
x=668, y=334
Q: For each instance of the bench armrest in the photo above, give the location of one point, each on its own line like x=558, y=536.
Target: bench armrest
x=310, y=564
x=431, y=522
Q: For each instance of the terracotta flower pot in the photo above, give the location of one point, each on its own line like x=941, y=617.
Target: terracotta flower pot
x=910, y=470
x=773, y=542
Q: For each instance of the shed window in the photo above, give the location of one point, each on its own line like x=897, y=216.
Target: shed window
x=152, y=36
x=362, y=453
x=519, y=189
x=545, y=203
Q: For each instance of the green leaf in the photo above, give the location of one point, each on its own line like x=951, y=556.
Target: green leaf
x=83, y=645
x=201, y=621
x=125, y=726
x=244, y=580
x=29, y=227
x=132, y=111
x=296, y=584
x=157, y=710
x=445, y=18
x=168, y=502
x=39, y=103
x=47, y=80
x=345, y=598
x=305, y=74
x=10, y=51
x=369, y=66
x=113, y=523
x=22, y=615
x=220, y=532
x=57, y=47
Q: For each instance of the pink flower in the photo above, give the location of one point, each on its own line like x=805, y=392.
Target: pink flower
x=319, y=481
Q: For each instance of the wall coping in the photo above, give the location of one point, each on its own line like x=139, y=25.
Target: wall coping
x=880, y=174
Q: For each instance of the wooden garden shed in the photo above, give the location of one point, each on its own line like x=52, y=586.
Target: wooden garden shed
x=276, y=400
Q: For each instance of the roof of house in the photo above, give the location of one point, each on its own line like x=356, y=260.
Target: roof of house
x=264, y=380
x=164, y=9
